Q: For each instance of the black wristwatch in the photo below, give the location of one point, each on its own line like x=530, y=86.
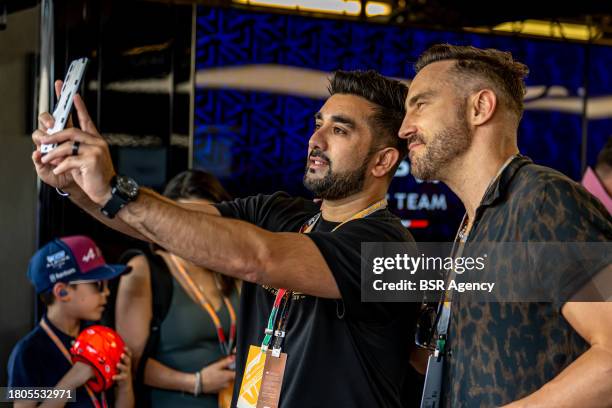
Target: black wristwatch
x=123, y=190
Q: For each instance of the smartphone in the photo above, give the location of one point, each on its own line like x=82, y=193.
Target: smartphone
x=72, y=82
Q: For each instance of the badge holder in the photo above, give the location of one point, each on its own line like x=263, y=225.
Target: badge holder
x=263, y=377
x=273, y=374
x=265, y=368
x=433, y=378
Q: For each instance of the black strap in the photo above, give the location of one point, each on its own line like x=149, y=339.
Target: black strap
x=161, y=292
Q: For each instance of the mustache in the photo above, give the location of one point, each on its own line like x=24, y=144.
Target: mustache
x=319, y=153
x=416, y=138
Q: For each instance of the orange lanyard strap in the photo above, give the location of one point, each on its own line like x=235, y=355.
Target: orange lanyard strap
x=305, y=229
x=62, y=348
x=226, y=346
x=379, y=205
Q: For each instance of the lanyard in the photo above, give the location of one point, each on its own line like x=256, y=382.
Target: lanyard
x=281, y=327
x=283, y=293
x=226, y=346
x=62, y=348
x=269, y=331
x=309, y=225
x=435, y=365
x=457, y=251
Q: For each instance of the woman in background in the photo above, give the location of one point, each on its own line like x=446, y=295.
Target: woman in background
x=178, y=318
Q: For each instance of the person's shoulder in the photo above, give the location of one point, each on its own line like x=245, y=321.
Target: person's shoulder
x=536, y=177
x=275, y=212
x=34, y=340
x=265, y=198
x=261, y=204
x=559, y=188
x=545, y=173
x=138, y=281
x=286, y=199
x=283, y=202
x=381, y=226
x=565, y=204
x=553, y=186
x=28, y=349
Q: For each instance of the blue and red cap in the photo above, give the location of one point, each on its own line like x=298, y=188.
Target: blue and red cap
x=70, y=259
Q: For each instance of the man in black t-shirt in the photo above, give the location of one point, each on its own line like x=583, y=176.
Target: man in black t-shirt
x=340, y=352
x=463, y=111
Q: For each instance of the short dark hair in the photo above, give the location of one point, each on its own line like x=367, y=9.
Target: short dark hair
x=196, y=184
x=47, y=298
x=497, y=68
x=388, y=96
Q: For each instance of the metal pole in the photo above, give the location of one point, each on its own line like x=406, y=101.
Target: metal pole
x=46, y=99
x=585, y=118
x=192, y=84
x=46, y=92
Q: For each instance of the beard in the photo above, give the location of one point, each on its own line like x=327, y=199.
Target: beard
x=444, y=147
x=336, y=186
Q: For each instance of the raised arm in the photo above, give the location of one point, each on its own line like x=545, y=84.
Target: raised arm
x=231, y=247
x=66, y=181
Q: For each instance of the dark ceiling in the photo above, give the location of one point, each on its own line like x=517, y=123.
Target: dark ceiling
x=486, y=12
x=457, y=14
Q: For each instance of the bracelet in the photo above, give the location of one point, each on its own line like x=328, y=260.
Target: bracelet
x=61, y=192
x=197, y=388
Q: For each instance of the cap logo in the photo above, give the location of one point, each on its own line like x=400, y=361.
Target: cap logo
x=89, y=256
x=54, y=277
x=57, y=259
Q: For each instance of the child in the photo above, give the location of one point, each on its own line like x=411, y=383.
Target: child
x=70, y=276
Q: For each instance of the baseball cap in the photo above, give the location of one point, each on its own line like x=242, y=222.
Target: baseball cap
x=70, y=259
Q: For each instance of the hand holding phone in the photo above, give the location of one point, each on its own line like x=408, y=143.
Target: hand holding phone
x=72, y=82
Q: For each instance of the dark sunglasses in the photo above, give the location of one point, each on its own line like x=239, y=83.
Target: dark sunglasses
x=100, y=286
x=426, y=326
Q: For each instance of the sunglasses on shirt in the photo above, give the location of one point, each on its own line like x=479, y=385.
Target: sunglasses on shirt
x=426, y=326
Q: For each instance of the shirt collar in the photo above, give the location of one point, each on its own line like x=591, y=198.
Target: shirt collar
x=500, y=186
x=66, y=339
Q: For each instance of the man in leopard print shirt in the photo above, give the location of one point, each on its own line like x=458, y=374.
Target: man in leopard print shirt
x=463, y=111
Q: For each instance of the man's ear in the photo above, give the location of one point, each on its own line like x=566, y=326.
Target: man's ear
x=482, y=106
x=60, y=291
x=385, y=161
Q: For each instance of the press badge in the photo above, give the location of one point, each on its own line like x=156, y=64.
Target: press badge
x=262, y=379
x=272, y=381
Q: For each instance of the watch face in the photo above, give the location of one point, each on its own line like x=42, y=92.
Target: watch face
x=127, y=186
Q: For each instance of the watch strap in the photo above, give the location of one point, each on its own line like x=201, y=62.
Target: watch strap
x=112, y=206
x=116, y=202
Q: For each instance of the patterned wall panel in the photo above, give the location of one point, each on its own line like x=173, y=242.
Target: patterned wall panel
x=256, y=141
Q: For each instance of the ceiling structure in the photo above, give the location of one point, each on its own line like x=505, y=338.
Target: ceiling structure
x=587, y=20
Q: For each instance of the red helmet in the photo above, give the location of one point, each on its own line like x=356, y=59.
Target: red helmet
x=101, y=348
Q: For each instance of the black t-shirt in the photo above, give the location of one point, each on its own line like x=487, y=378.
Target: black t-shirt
x=37, y=362
x=340, y=353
